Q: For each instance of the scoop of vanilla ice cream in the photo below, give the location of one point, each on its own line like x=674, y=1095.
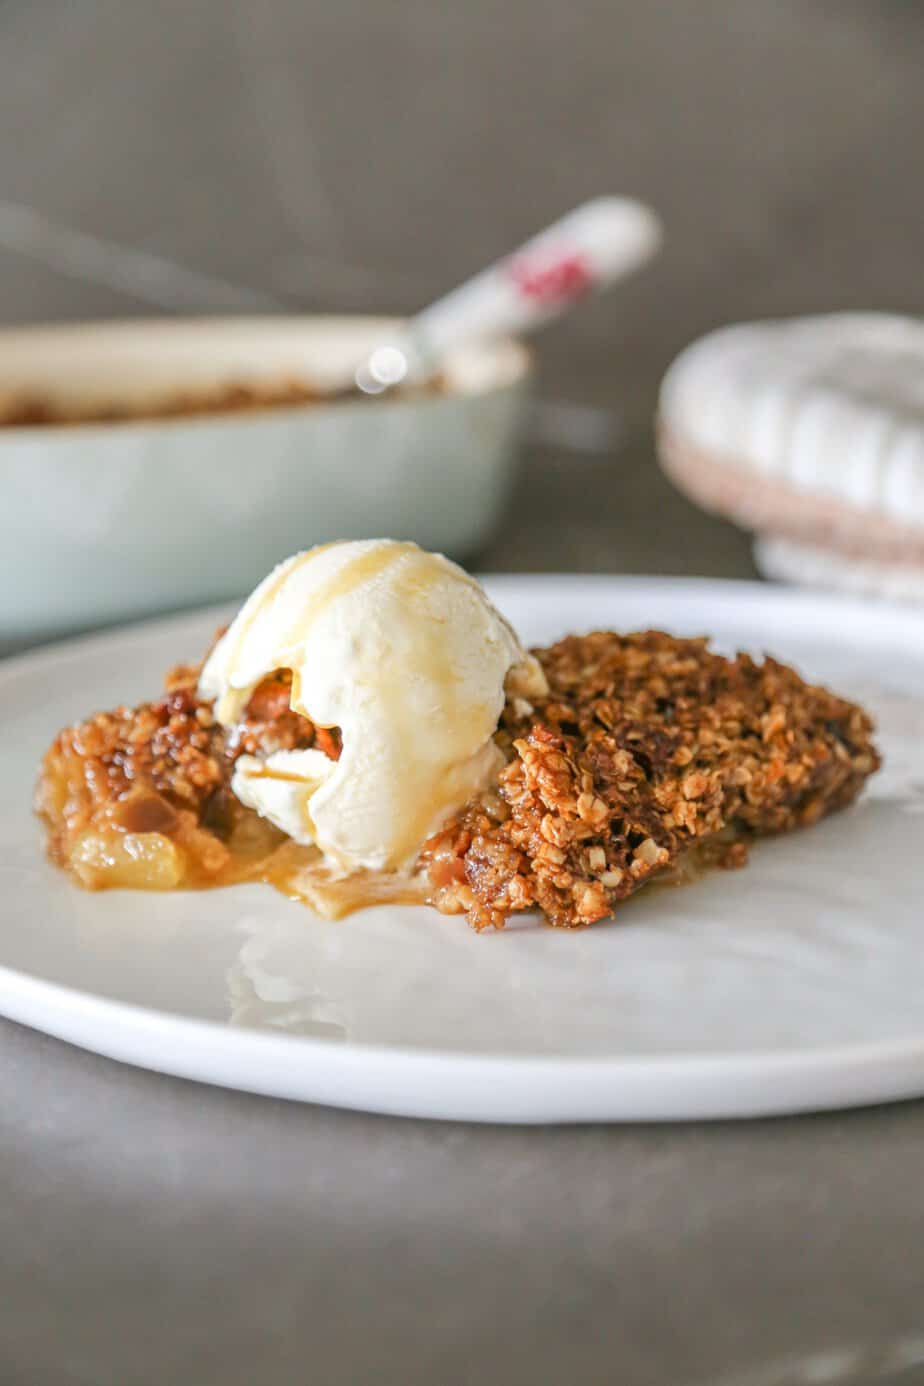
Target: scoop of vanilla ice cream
x=403, y=652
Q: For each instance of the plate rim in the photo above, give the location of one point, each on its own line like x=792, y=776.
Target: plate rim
x=585, y=1088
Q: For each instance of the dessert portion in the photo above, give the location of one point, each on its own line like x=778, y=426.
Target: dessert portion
x=370, y=728
x=811, y=432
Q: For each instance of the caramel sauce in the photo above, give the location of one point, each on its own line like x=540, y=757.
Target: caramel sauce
x=424, y=793
x=266, y=773
x=344, y=581
x=185, y=856
x=340, y=584
x=301, y=874
x=234, y=700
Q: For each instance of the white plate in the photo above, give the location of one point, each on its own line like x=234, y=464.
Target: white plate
x=796, y=984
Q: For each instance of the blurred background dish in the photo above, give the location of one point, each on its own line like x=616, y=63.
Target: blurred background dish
x=809, y=430
x=102, y=521
x=813, y=565
x=234, y=158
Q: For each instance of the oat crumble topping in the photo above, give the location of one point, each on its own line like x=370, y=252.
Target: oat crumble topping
x=648, y=746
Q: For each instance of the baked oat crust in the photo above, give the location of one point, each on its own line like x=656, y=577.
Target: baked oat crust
x=647, y=747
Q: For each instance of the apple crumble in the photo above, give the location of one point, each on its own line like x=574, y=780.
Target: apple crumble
x=645, y=752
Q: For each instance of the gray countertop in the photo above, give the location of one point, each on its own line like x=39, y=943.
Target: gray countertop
x=231, y=156
x=155, y=1231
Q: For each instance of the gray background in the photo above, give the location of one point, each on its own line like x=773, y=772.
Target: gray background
x=228, y=156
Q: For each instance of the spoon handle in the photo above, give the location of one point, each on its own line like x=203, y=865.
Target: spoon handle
x=593, y=246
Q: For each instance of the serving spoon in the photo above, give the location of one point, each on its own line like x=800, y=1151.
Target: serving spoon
x=591, y=248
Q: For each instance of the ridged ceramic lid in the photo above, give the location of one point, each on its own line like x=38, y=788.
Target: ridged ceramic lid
x=829, y=405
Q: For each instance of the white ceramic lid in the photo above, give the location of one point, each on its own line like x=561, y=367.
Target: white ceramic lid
x=829, y=406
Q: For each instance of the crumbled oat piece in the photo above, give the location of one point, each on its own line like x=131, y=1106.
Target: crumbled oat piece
x=649, y=751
